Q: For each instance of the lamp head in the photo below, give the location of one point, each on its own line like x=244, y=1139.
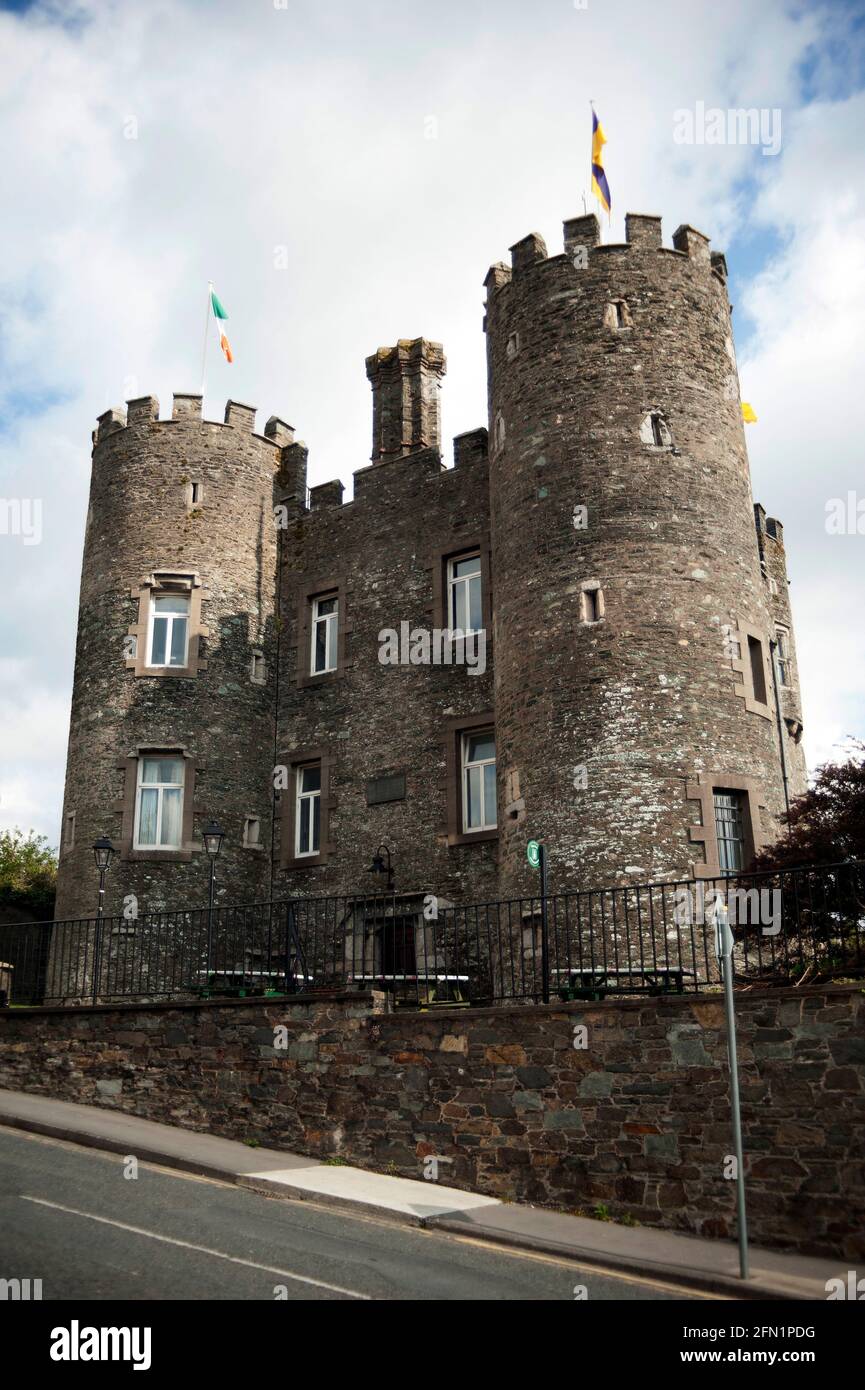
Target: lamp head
x=213, y=836
x=102, y=852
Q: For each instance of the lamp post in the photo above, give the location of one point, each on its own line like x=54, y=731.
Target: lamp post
x=378, y=865
x=102, y=853
x=724, y=950
x=213, y=836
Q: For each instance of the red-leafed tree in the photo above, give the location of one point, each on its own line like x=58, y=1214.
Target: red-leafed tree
x=827, y=824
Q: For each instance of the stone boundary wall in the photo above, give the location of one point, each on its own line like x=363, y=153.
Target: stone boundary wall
x=637, y=1120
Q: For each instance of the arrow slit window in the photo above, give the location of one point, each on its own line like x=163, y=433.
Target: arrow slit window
x=782, y=638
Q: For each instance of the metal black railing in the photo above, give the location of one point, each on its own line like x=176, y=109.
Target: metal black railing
x=789, y=926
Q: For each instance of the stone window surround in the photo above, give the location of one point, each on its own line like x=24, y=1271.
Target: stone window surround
x=258, y=656
x=454, y=547
x=258, y=846
x=742, y=663
x=294, y=760
x=167, y=582
x=189, y=487
x=68, y=840
x=313, y=587
x=125, y=806
x=592, y=586
x=611, y=317
x=453, y=736
x=703, y=790
x=783, y=630
x=646, y=433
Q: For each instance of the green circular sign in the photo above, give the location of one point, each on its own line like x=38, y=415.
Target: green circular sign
x=533, y=853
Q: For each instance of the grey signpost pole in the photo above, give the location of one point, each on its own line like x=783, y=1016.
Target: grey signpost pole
x=545, y=933
x=537, y=856
x=724, y=949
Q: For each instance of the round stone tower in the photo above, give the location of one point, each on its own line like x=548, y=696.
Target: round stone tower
x=173, y=700
x=634, y=686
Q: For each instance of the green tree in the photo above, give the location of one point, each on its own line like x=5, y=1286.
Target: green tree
x=28, y=872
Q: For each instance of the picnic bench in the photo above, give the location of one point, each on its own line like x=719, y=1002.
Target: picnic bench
x=452, y=982
x=597, y=981
x=241, y=983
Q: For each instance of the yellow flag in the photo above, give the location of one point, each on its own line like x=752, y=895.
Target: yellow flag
x=748, y=414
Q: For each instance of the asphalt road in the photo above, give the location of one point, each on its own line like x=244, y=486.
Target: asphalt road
x=69, y=1217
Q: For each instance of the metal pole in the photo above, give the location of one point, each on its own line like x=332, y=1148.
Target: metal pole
x=210, y=919
x=204, y=344
x=97, y=951
x=773, y=648
x=725, y=955
x=545, y=943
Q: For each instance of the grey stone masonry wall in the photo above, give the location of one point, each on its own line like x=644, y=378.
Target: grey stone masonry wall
x=773, y=559
x=384, y=552
x=639, y=689
x=622, y=1104
x=141, y=523
x=629, y=602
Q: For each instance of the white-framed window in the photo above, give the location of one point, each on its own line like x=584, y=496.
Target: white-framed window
x=307, y=817
x=325, y=621
x=159, y=803
x=479, y=780
x=465, y=611
x=168, y=632
x=251, y=832
x=730, y=829
x=257, y=672
x=782, y=652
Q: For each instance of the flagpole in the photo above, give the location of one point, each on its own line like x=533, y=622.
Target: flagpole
x=204, y=345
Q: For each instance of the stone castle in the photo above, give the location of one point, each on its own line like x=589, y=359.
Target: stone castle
x=637, y=705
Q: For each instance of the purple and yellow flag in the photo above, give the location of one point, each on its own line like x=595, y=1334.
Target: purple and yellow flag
x=600, y=187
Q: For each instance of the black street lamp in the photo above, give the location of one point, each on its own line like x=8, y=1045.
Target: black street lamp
x=379, y=866
x=102, y=853
x=213, y=836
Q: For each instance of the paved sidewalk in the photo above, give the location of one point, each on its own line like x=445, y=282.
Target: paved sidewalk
x=706, y=1264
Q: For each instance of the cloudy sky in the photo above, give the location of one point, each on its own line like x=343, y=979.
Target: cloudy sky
x=345, y=173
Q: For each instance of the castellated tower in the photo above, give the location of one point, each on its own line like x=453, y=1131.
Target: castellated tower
x=634, y=618
x=175, y=661
x=636, y=705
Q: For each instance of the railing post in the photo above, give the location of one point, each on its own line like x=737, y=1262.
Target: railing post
x=97, y=945
x=545, y=935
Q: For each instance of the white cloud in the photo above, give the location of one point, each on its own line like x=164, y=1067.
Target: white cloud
x=304, y=128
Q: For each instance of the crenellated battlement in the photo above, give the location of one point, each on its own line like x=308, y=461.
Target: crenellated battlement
x=602, y=536
x=582, y=235
x=186, y=408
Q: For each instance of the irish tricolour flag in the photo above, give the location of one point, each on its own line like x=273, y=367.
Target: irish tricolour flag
x=220, y=318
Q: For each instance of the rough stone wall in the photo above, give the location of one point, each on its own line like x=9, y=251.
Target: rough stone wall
x=637, y=1120
x=139, y=522
x=770, y=535
x=643, y=699
x=375, y=719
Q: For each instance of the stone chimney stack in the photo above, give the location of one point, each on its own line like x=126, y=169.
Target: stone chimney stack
x=406, y=384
